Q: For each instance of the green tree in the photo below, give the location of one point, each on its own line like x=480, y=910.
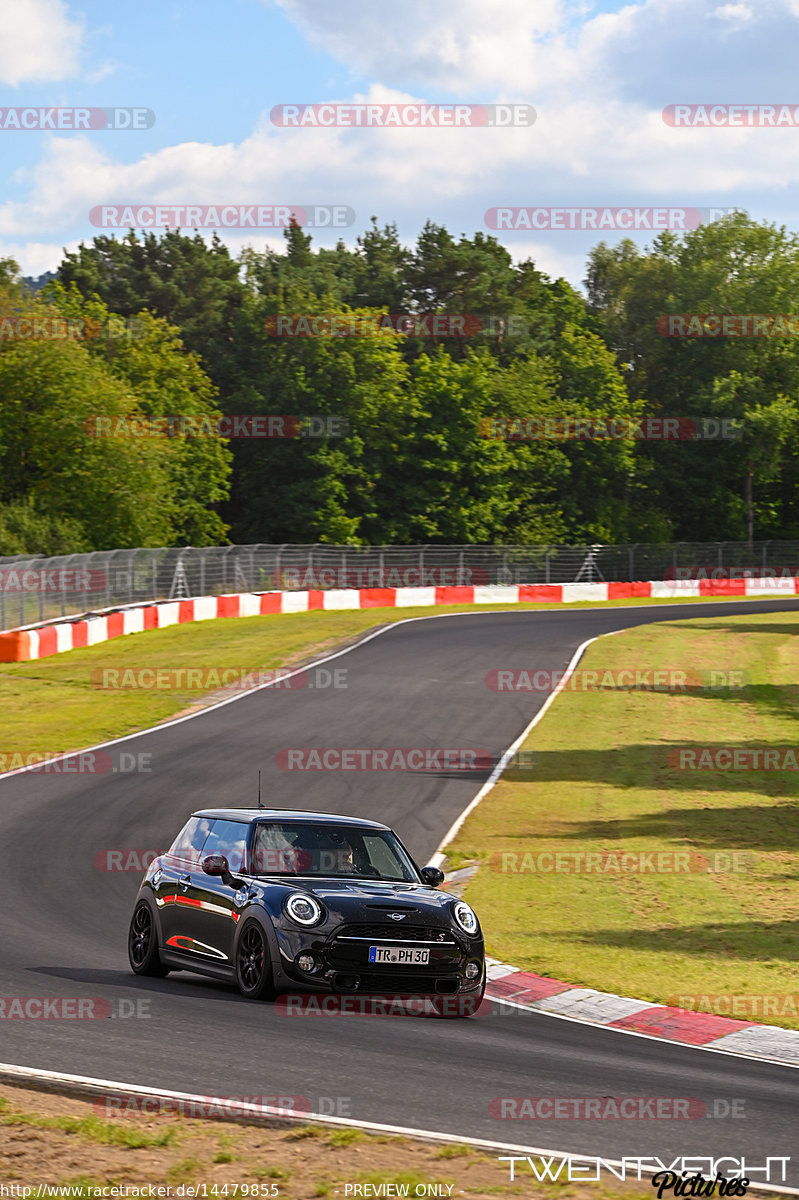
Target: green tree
x=722, y=489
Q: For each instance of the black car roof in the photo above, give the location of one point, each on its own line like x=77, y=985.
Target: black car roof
x=288, y=815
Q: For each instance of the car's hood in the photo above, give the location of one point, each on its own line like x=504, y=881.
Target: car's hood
x=373, y=900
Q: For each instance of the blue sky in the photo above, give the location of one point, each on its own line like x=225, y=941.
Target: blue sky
x=598, y=75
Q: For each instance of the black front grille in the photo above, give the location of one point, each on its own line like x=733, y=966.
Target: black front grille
x=348, y=949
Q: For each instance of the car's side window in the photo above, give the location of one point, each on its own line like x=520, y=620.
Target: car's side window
x=191, y=839
x=228, y=838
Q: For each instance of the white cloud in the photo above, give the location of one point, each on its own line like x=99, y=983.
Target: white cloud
x=35, y=258
x=599, y=139
x=539, y=51
x=474, y=45
x=39, y=42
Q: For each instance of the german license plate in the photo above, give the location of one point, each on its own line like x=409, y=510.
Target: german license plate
x=392, y=954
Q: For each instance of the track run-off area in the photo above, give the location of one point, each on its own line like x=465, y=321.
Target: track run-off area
x=420, y=683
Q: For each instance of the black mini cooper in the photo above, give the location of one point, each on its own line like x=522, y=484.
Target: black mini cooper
x=277, y=899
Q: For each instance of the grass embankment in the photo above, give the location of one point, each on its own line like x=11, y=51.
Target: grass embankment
x=57, y=1140
x=52, y=705
x=607, y=779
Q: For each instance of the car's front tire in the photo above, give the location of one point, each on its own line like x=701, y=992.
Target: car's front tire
x=143, y=943
x=253, y=965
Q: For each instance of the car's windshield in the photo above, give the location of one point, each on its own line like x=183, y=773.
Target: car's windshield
x=343, y=852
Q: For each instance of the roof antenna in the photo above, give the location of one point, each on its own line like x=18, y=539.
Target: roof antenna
x=260, y=805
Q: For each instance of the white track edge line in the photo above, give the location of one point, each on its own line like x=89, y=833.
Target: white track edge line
x=439, y=856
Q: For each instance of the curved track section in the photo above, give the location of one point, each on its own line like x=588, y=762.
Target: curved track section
x=63, y=922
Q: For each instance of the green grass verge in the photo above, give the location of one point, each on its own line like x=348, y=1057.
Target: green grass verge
x=92, y=1129
x=602, y=782
x=52, y=706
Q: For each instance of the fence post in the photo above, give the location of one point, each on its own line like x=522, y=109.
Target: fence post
x=278, y=583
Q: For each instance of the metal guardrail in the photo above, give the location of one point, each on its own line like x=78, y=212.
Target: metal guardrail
x=40, y=589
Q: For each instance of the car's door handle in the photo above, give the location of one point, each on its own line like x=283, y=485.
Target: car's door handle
x=184, y=882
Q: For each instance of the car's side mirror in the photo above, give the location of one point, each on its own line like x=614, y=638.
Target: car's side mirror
x=432, y=876
x=217, y=864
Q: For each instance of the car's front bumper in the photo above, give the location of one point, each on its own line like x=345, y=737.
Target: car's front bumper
x=342, y=963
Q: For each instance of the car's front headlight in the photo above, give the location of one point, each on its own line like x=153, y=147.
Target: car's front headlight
x=465, y=918
x=303, y=909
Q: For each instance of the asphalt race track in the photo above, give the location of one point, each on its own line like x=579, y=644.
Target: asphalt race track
x=63, y=922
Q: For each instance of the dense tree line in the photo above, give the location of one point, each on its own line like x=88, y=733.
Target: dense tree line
x=402, y=415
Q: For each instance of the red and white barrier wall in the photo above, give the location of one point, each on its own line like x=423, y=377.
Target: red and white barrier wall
x=24, y=645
